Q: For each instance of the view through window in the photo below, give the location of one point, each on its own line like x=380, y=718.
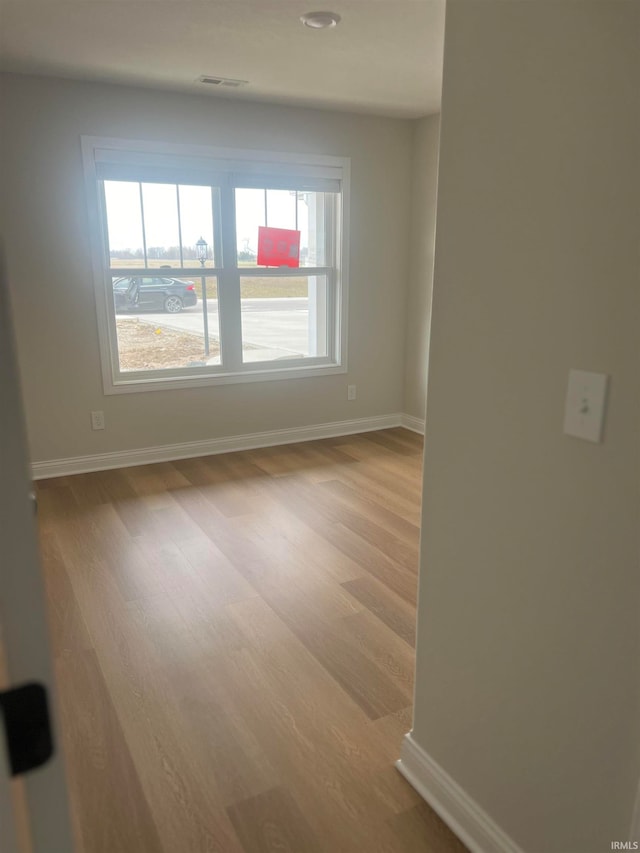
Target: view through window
x=185, y=296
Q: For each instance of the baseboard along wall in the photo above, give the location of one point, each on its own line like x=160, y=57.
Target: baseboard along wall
x=473, y=826
x=209, y=447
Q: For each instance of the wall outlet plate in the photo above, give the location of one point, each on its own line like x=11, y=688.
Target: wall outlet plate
x=97, y=420
x=585, y=405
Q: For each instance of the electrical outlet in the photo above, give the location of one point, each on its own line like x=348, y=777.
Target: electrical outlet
x=97, y=420
x=585, y=405
x=351, y=392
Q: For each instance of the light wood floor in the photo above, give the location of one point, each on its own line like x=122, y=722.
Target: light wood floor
x=233, y=641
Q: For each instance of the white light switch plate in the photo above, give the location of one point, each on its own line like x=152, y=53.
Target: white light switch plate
x=584, y=409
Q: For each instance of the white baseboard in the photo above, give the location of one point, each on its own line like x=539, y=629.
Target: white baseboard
x=208, y=447
x=464, y=816
x=412, y=423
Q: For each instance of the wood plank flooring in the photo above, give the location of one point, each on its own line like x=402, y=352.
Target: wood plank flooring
x=233, y=640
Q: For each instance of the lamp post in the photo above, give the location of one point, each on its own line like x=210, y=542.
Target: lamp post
x=202, y=249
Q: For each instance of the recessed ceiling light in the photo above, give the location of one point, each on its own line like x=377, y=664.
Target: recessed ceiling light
x=320, y=20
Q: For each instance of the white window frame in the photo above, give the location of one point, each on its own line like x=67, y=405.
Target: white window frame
x=227, y=168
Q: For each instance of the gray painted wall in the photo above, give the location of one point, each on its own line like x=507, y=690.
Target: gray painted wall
x=528, y=632
x=47, y=243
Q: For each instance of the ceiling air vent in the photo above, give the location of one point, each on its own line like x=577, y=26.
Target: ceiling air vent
x=222, y=81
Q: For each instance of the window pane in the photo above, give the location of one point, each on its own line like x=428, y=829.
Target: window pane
x=314, y=213
x=160, y=322
x=250, y=215
x=283, y=317
x=305, y=211
x=124, y=223
x=278, y=209
x=281, y=209
x=160, y=211
x=196, y=220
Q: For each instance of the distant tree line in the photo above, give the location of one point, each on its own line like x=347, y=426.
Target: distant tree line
x=189, y=253
x=158, y=253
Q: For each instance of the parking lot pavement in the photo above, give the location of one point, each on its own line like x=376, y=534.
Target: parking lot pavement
x=271, y=328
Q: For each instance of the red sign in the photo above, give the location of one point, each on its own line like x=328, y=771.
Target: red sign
x=278, y=247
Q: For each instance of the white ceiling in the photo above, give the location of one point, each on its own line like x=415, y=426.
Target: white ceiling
x=384, y=57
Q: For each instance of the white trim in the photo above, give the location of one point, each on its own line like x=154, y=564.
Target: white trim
x=111, y=146
x=208, y=447
x=342, y=261
x=413, y=423
x=634, y=832
x=458, y=810
x=227, y=165
x=264, y=371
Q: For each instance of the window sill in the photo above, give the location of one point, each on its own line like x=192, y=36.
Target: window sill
x=267, y=374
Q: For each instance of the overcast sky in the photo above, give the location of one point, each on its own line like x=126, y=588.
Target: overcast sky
x=160, y=202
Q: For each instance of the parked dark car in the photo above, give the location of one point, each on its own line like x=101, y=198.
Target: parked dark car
x=153, y=293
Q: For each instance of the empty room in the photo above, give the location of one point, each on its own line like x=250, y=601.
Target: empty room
x=320, y=485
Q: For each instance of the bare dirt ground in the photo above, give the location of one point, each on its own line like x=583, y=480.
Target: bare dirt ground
x=143, y=346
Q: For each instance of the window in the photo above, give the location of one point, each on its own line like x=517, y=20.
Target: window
x=186, y=294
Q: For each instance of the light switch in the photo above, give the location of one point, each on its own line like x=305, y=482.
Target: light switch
x=584, y=409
